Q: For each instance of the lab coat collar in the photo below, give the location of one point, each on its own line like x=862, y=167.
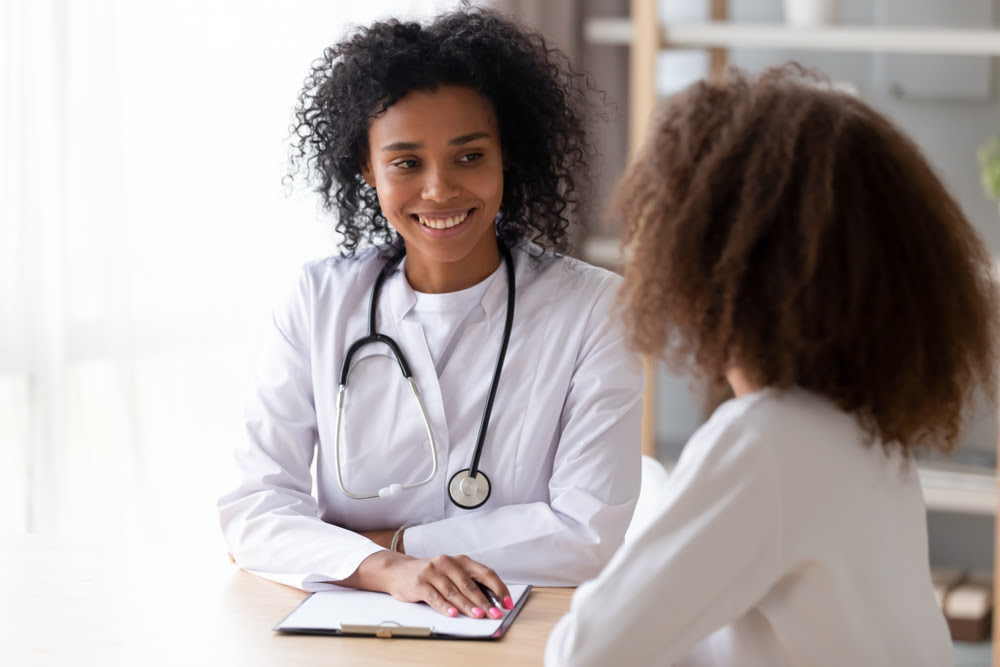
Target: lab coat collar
x=402, y=297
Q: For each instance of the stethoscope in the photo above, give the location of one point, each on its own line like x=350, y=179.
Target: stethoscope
x=469, y=488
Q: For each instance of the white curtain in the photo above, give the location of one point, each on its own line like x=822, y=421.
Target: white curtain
x=144, y=234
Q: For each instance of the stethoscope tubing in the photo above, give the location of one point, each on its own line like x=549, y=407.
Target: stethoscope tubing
x=373, y=336
x=401, y=487
x=508, y=325
x=473, y=475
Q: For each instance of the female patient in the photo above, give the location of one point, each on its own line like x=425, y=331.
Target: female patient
x=789, y=238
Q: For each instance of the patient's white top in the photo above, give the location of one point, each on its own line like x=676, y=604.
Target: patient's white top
x=783, y=539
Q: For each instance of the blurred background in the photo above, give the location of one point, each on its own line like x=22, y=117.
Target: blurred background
x=145, y=231
x=144, y=235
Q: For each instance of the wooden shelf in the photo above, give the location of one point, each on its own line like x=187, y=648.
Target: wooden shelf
x=959, y=491
x=949, y=490
x=854, y=38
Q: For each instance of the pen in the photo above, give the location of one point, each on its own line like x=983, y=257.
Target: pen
x=491, y=596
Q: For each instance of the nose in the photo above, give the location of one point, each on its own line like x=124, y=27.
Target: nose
x=439, y=185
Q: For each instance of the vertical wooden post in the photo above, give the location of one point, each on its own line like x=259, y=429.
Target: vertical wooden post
x=641, y=103
x=996, y=570
x=718, y=58
x=647, y=41
x=642, y=70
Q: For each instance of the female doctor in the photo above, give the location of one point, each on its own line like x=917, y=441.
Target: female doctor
x=462, y=390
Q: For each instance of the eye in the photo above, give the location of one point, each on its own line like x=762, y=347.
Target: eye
x=405, y=164
x=470, y=157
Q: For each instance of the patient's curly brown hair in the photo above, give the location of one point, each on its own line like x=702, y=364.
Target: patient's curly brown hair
x=781, y=225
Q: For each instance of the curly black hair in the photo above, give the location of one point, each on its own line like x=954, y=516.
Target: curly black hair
x=542, y=106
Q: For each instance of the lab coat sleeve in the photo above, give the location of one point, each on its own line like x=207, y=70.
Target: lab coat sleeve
x=270, y=519
x=712, y=554
x=594, y=483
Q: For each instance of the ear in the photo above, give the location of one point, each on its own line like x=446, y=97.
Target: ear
x=366, y=173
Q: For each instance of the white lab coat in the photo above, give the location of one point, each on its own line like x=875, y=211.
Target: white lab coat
x=562, y=449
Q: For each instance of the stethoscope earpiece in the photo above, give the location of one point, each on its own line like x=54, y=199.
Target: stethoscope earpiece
x=469, y=492
x=390, y=491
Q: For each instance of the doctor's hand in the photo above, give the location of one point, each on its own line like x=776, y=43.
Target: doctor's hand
x=446, y=583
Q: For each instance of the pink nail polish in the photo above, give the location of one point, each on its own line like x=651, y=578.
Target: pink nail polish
x=495, y=613
x=452, y=611
x=508, y=603
x=477, y=612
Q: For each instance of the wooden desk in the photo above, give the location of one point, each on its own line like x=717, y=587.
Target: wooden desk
x=73, y=604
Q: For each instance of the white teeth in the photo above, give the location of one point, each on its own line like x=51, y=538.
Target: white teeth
x=443, y=223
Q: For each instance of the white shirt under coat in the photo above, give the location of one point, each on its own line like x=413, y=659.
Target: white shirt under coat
x=561, y=451
x=784, y=539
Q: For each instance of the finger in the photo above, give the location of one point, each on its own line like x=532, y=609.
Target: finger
x=455, y=592
x=496, y=608
x=461, y=570
x=438, y=602
x=491, y=580
x=439, y=588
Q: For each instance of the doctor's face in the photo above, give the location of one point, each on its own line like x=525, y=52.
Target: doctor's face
x=436, y=164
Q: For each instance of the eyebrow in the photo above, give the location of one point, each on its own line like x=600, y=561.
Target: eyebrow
x=457, y=141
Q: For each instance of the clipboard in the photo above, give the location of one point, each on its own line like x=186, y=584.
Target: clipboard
x=369, y=614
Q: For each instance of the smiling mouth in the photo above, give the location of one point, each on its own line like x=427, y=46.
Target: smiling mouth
x=442, y=223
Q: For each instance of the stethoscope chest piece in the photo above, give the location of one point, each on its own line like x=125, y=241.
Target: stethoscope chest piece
x=469, y=492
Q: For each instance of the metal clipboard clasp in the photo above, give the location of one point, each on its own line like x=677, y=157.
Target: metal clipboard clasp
x=386, y=630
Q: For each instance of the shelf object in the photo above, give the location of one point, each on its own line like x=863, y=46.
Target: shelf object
x=722, y=34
